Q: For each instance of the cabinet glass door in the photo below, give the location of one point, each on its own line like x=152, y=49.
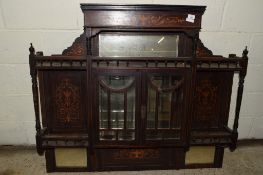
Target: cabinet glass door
x=117, y=95
x=164, y=107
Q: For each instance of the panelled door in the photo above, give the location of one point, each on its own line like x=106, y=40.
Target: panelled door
x=117, y=107
x=140, y=107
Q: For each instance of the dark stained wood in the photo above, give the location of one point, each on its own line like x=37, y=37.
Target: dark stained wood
x=202, y=51
x=132, y=19
x=212, y=99
x=242, y=75
x=66, y=93
x=65, y=102
x=148, y=16
x=33, y=73
x=142, y=7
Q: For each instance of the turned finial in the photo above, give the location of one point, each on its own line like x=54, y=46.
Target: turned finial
x=245, y=52
x=31, y=49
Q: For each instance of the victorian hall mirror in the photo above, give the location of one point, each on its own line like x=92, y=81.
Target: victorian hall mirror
x=137, y=90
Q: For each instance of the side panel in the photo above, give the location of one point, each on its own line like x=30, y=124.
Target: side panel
x=64, y=100
x=212, y=99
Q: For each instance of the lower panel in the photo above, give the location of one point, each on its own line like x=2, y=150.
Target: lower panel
x=204, y=157
x=78, y=159
x=66, y=159
x=200, y=155
x=139, y=159
x=71, y=157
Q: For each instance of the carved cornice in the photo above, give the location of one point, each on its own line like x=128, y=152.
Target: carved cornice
x=77, y=48
x=202, y=51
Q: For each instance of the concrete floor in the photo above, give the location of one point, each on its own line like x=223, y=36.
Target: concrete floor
x=246, y=160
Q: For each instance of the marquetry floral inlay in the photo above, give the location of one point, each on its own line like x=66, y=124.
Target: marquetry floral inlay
x=206, y=95
x=137, y=154
x=160, y=19
x=67, y=101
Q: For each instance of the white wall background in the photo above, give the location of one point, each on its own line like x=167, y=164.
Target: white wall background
x=52, y=25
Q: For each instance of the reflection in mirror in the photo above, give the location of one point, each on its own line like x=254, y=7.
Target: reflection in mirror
x=138, y=45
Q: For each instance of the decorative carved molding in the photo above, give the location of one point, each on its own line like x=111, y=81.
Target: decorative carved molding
x=67, y=100
x=206, y=95
x=64, y=143
x=137, y=154
x=202, y=51
x=77, y=48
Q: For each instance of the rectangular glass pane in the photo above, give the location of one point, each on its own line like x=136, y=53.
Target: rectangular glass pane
x=138, y=45
x=103, y=109
x=164, y=112
x=151, y=104
x=162, y=135
x=154, y=135
x=126, y=135
x=117, y=110
x=107, y=135
x=131, y=109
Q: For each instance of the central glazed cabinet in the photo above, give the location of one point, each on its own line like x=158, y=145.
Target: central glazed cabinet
x=137, y=90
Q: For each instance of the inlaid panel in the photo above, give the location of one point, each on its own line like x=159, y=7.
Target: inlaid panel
x=212, y=99
x=67, y=99
x=139, y=159
x=64, y=100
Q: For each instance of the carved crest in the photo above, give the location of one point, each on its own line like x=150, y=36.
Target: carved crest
x=67, y=102
x=202, y=51
x=77, y=48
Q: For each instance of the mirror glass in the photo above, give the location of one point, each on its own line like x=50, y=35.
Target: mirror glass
x=138, y=45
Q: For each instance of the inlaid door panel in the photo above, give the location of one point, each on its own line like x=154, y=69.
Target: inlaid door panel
x=64, y=100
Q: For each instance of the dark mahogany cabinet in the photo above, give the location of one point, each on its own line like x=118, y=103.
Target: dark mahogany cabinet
x=137, y=90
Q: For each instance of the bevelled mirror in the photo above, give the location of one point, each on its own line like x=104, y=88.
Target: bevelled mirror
x=138, y=45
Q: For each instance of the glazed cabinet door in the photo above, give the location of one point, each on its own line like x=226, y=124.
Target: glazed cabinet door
x=164, y=106
x=116, y=107
x=64, y=101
